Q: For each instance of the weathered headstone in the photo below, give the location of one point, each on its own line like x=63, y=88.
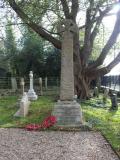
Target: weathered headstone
x=40, y=82
x=24, y=106
x=114, y=102
x=31, y=93
x=46, y=83
x=14, y=84
x=96, y=92
x=67, y=110
x=105, y=95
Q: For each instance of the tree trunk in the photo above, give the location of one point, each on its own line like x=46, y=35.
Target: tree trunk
x=81, y=81
x=82, y=86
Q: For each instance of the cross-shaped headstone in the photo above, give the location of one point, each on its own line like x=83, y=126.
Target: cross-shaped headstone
x=67, y=28
x=67, y=111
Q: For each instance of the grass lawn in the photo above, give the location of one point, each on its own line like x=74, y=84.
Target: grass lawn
x=103, y=119
x=37, y=112
x=100, y=117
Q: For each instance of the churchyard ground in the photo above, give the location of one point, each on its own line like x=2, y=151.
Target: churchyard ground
x=101, y=118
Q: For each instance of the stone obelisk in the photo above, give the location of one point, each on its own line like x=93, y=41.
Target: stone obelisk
x=67, y=110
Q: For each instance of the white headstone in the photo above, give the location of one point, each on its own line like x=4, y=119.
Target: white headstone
x=31, y=93
x=24, y=106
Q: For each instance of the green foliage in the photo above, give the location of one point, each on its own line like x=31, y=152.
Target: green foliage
x=2, y=57
x=35, y=56
x=10, y=49
x=10, y=45
x=7, y=109
x=43, y=10
x=35, y=9
x=38, y=111
x=53, y=63
x=31, y=56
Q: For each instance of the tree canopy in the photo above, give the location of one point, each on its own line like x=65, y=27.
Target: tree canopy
x=43, y=17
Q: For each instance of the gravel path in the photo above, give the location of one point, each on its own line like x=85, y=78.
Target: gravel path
x=18, y=144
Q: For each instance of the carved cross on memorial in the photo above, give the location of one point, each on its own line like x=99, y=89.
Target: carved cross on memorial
x=67, y=28
x=67, y=111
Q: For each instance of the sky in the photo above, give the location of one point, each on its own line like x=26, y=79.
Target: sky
x=109, y=23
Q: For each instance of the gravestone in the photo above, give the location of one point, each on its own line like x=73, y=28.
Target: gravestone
x=96, y=92
x=22, y=83
x=24, y=106
x=114, y=101
x=40, y=82
x=14, y=84
x=67, y=111
x=105, y=95
x=46, y=83
x=31, y=93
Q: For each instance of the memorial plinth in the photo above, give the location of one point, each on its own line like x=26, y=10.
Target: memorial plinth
x=68, y=114
x=66, y=110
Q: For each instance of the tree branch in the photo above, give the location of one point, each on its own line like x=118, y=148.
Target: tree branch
x=109, y=43
x=89, y=34
x=38, y=29
x=65, y=9
x=82, y=27
x=107, y=15
x=98, y=22
x=114, y=62
x=74, y=9
x=96, y=29
x=88, y=27
x=94, y=73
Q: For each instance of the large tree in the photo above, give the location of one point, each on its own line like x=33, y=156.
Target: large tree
x=96, y=10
